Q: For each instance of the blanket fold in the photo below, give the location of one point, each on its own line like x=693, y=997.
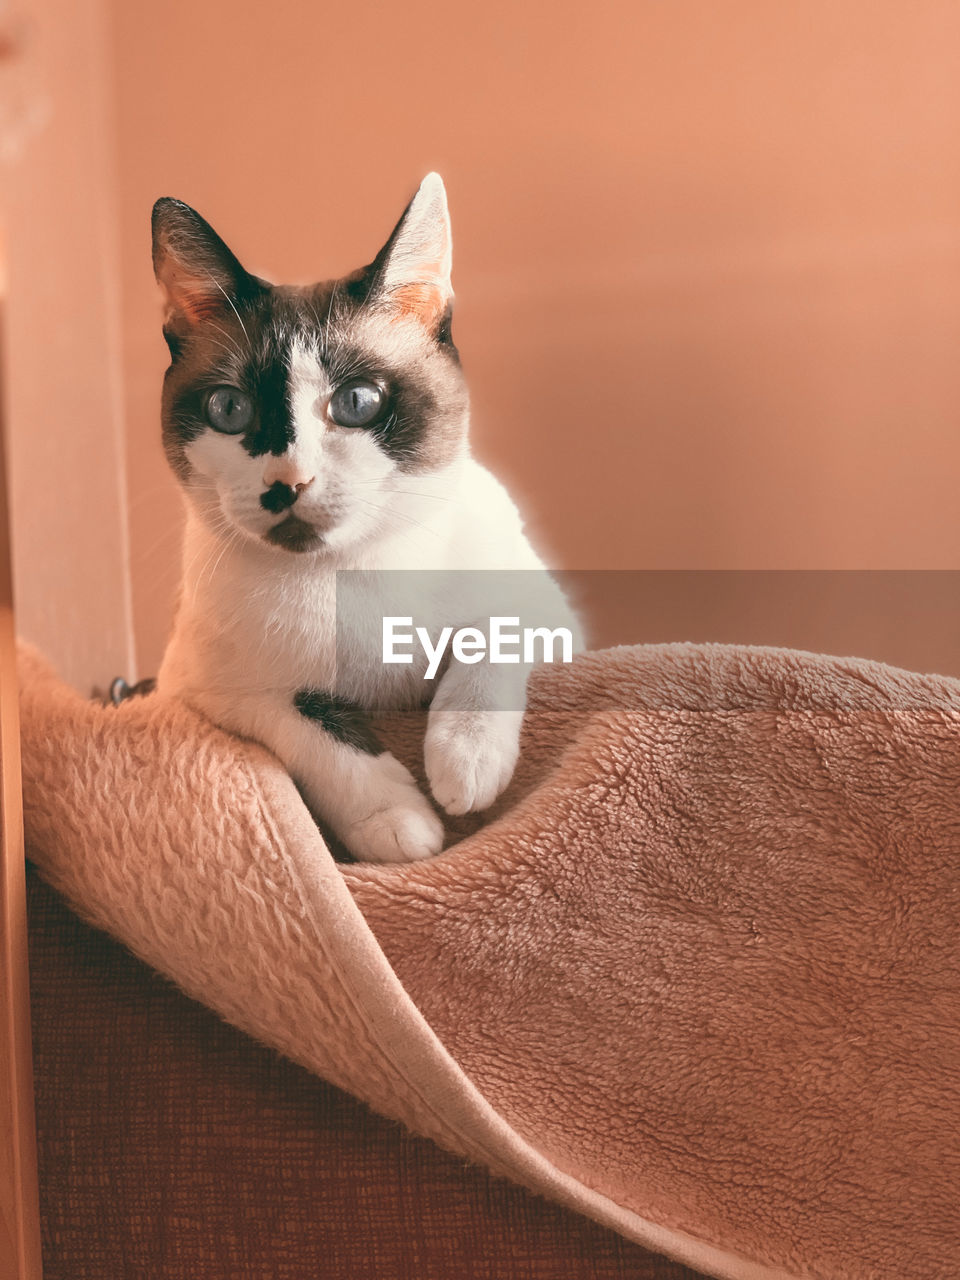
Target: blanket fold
x=696, y=976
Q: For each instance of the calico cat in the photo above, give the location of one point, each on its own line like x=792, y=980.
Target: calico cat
x=316, y=429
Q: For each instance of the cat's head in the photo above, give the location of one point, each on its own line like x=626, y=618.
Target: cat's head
x=296, y=416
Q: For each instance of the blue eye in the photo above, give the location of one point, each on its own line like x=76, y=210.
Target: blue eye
x=229, y=411
x=357, y=403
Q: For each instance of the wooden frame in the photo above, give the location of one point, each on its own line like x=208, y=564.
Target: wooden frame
x=19, y=1200
x=72, y=573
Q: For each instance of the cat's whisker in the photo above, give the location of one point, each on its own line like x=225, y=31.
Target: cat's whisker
x=230, y=351
x=144, y=555
x=410, y=493
x=415, y=493
x=208, y=554
x=318, y=323
x=211, y=572
x=196, y=585
x=332, y=361
x=402, y=515
x=232, y=307
x=234, y=349
x=135, y=504
x=326, y=327
x=225, y=536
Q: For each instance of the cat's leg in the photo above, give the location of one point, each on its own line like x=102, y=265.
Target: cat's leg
x=362, y=792
x=473, y=734
x=473, y=729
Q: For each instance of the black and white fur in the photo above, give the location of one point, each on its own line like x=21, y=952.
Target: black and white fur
x=275, y=511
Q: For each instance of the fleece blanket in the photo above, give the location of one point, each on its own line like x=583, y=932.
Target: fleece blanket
x=697, y=976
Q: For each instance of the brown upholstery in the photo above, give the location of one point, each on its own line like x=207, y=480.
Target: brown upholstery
x=172, y=1147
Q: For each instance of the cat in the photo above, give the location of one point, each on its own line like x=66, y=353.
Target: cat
x=313, y=430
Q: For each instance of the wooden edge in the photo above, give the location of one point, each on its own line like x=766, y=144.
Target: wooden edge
x=20, y=1257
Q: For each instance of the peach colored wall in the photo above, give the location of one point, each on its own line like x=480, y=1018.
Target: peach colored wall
x=707, y=255
x=62, y=358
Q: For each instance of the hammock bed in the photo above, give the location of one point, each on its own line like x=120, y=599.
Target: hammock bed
x=697, y=976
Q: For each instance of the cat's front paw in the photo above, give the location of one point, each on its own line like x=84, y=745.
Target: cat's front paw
x=400, y=834
x=402, y=826
x=470, y=758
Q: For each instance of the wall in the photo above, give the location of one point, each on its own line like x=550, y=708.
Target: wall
x=706, y=255
x=62, y=349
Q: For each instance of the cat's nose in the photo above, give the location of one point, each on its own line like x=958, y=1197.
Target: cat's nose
x=280, y=496
x=288, y=472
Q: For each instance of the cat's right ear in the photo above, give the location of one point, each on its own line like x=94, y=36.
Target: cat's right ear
x=197, y=273
x=413, y=267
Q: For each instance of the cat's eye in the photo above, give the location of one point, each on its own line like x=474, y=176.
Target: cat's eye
x=357, y=403
x=229, y=410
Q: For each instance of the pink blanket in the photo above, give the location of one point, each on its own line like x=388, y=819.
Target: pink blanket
x=699, y=976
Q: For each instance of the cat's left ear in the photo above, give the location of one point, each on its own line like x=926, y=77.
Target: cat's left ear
x=413, y=267
x=197, y=273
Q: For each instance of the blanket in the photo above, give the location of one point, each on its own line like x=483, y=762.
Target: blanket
x=697, y=975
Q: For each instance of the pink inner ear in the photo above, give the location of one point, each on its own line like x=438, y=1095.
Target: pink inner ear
x=194, y=299
x=423, y=302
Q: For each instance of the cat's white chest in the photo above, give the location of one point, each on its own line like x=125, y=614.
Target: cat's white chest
x=319, y=630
